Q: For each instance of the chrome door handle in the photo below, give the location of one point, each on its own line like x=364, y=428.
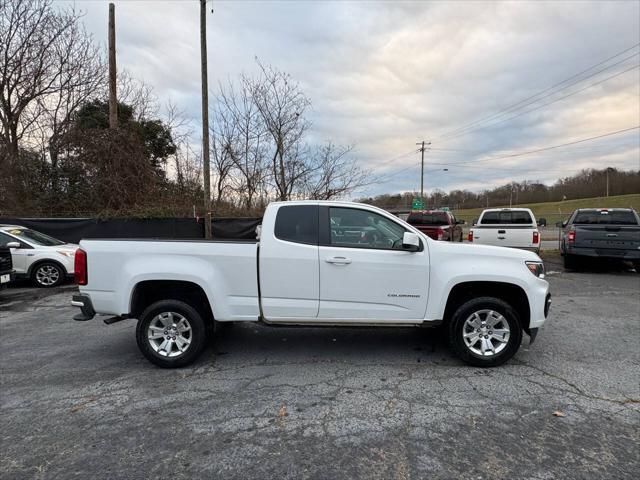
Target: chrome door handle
x=338, y=260
x=501, y=238
x=612, y=234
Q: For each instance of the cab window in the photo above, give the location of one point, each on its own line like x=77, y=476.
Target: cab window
x=351, y=227
x=297, y=223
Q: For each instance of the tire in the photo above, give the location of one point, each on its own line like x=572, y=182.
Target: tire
x=570, y=262
x=503, y=316
x=169, y=350
x=47, y=275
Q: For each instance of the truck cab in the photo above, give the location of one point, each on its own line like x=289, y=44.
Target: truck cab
x=437, y=224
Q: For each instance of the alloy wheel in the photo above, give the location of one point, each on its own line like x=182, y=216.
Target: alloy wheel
x=486, y=333
x=169, y=334
x=47, y=275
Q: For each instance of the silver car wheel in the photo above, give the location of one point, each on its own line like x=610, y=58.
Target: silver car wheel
x=47, y=275
x=486, y=333
x=169, y=334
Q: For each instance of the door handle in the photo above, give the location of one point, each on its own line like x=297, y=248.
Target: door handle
x=502, y=231
x=612, y=234
x=501, y=238
x=338, y=260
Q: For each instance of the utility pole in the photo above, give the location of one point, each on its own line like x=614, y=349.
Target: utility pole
x=113, y=99
x=422, y=148
x=205, y=119
x=608, y=170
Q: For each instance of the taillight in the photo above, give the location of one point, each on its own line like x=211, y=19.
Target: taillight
x=80, y=267
x=536, y=238
x=571, y=236
x=440, y=233
x=470, y=236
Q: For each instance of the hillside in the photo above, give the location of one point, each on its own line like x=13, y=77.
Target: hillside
x=554, y=211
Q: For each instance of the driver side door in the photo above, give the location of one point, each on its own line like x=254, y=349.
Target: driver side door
x=364, y=273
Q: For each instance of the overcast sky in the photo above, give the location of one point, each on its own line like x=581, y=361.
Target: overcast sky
x=385, y=75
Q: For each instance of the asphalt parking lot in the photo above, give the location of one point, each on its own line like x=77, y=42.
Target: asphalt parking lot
x=79, y=400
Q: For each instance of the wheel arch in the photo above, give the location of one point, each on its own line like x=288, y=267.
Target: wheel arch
x=511, y=293
x=40, y=261
x=147, y=292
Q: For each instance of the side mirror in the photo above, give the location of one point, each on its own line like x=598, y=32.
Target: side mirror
x=410, y=242
x=542, y=222
x=13, y=245
x=475, y=221
x=461, y=222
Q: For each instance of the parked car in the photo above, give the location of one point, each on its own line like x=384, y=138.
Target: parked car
x=437, y=224
x=43, y=259
x=315, y=264
x=507, y=227
x=612, y=233
x=6, y=267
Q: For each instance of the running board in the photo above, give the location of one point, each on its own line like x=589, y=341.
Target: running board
x=349, y=323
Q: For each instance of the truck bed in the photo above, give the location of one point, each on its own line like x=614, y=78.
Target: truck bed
x=225, y=270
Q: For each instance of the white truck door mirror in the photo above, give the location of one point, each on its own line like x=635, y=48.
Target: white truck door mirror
x=410, y=242
x=13, y=245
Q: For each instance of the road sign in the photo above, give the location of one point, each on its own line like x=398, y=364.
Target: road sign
x=416, y=204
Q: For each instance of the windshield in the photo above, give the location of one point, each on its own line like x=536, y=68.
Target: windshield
x=604, y=217
x=35, y=237
x=428, y=219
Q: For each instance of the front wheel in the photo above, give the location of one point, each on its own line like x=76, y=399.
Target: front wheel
x=47, y=275
x=485, y=332
x=171, y=333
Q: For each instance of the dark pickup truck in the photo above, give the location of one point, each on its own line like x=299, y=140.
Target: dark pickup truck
x=437, y=224
x=6, y=266
x=612, y=233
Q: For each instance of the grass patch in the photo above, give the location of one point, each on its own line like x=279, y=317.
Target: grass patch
x=554, y=211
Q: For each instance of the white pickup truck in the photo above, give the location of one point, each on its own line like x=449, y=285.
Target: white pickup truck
x=506, y=227
x=316, y=263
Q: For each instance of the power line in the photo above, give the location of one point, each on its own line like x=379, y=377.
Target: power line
x=481, y=127
x=471, y=164
x=548, y=148
x=548, y=89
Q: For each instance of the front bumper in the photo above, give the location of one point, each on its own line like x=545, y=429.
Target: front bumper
x=86, y=307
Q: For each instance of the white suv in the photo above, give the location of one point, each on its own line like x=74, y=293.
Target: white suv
x=44, y=259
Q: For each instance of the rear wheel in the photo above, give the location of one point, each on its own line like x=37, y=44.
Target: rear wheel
x=47, y=275
x=570, y=262
x=485, y=332
x=171, y=333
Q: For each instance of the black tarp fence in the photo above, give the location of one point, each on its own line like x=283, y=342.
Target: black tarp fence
x=73, y=230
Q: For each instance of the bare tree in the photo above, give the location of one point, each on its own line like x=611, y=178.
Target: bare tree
x=41, y=50
x=282, y=106
x=332, y=174
x=138, y=95
x=184, y=162
x=246, y=138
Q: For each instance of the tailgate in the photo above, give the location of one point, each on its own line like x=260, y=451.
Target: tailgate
x=505, y=235
x=608, y=237
x=430, y=231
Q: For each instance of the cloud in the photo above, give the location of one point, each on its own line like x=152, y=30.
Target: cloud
x=384, y=75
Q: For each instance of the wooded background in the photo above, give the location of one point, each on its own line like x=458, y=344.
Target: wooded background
x=58, y=157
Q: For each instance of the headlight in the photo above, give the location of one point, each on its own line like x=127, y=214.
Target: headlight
x=537, y=268
x=66, y=253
